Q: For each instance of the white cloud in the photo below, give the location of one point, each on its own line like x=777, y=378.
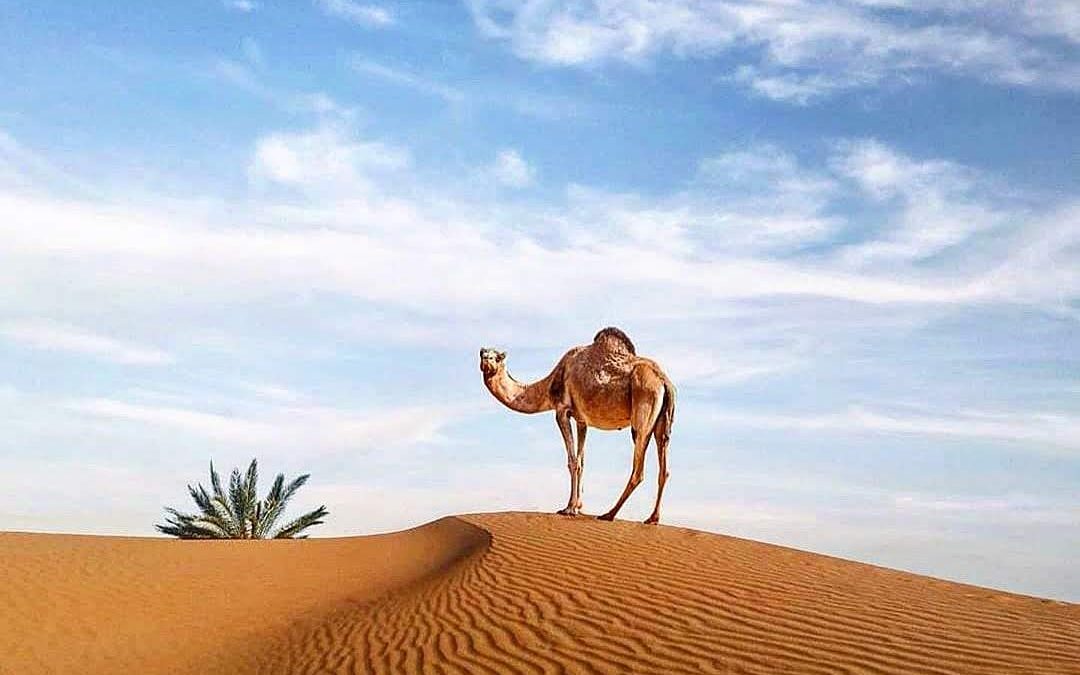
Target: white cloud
x=746, y=203
x=274, y=426
x=497, y=94
x=245, y=6
x=761, y=197
x=327, y=158
x=1046, y=429
x=750, y=201
x=937, y=207
x=1053, y=17
x=273, y=392
x=28, y=171
x=802, y=50
x=511, y=170
x=594, y=31
x=340, y=220
x=362, y=214
x=1044, y=261
x=718, y=366
x=242, y=75
x=791, y=87
x=210, y=425
x=406, y=79
x=55, y=336
x=883, y=172
x=1021, y=509
x=359, y=13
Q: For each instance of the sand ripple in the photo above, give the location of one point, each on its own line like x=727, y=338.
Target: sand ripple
x=505, y=593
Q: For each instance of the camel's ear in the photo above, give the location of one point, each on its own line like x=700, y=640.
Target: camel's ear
x=501, y=356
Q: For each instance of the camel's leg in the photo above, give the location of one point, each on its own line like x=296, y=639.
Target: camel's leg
x=575, y=496
x=562, y=418
x=645, y=406
x=662, y=434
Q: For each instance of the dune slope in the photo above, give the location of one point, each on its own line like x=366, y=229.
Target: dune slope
x=499, y=593
x=85, y=604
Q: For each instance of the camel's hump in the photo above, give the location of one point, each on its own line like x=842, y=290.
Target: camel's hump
x=614, y=336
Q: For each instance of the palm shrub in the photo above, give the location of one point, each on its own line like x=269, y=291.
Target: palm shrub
x=238, y=513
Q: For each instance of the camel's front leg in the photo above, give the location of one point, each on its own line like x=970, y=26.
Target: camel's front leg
x=562, y=418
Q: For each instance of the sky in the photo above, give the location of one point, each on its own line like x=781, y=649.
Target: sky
x=849, y=230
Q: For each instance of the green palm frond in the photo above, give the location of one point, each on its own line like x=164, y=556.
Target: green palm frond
x=297, y=526
x=237, y=512
x=274, y=506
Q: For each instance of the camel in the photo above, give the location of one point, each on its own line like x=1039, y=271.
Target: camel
x=605, y=385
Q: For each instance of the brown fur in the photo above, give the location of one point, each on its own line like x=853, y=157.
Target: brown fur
x=603, y=385
x=614, y=333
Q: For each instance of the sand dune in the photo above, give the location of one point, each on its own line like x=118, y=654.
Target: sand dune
x=499, y=593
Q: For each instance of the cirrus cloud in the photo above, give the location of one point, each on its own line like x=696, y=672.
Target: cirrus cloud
x=800, y=50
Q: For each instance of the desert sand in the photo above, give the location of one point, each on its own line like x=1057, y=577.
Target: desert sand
x=501, y=593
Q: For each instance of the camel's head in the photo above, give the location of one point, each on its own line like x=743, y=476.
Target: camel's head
x=491, y=360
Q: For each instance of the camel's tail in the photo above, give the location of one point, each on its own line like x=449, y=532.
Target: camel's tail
x=667, y=409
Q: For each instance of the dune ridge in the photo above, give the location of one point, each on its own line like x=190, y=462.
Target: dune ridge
x=510, y=592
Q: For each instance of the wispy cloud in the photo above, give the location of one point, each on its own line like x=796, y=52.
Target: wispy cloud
x=1052, y=17
x=803, y=50
x=55, y=336
x=762, y=197
x=325, y=158
x=274, y=392
x=697, y=365
x=790, y=87
x=504, y=95
x=23, y=169
x=282, y=425
x=245, y=75
x=406, y=79
x=1045, y=429
x=511, y=169
x=362, y=213
x=211, y=425
x=245, y=6
x=240, y=75
x=937, y=205
x=356, y=12
x=1022, y=509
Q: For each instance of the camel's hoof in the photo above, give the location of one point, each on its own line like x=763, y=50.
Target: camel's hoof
x=607, y=516
x=567, y=512
x=653, y=521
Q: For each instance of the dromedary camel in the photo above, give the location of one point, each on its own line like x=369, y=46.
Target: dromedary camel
x=604, y=385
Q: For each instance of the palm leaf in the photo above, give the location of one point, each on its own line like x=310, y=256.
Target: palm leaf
x=273, y=506
x=302, y=523
x=237, y=512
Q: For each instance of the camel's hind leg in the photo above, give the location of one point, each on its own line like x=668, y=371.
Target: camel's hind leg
x=662, y=434
x=646, y=401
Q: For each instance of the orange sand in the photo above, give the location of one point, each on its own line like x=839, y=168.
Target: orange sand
x=501, y=593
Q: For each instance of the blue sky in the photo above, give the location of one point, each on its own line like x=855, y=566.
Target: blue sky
x=849, y=230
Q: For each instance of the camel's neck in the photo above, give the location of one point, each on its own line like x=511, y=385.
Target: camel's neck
x=523, y=398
